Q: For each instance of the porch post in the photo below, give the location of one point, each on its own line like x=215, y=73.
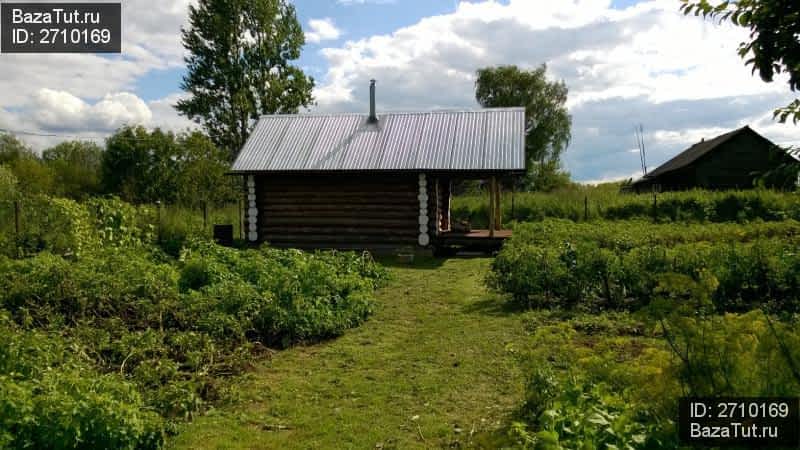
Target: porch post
x=252, y=210
x=424, y=238
x=492, y=215
x=498, y=220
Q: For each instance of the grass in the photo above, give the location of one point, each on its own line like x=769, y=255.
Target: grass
x=428, y=370
x=591, y=203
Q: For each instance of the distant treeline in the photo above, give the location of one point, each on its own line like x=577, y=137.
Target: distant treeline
x=137, y=165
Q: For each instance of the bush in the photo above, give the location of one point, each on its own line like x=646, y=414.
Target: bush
x=51, y=398
x=592, y=271
x=110, y=339
x=174, y=328
x=605, y=202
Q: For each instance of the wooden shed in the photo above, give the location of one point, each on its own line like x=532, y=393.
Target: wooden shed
x=375, y=180
x=730, y=161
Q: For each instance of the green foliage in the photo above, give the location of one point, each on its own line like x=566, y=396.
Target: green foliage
x=547, y=121
x=579, y=203
x=203, y=176
x=120, y=224
x=239, y=66
x=773, y=47
x=131, y=330
x=9, y=185
x=597, y=269
x=581, y=415
x=141, y=166
x=33, y=176
x=144, y=166
x=76, y=168
x=58, y=225
x=51, y=397
x=595, y=381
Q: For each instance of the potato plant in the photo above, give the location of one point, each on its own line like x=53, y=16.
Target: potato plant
x=107, y=340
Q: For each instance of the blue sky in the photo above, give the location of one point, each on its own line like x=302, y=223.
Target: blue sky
x=625, y=62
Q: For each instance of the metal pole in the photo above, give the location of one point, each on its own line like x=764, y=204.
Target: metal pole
x=205, y=215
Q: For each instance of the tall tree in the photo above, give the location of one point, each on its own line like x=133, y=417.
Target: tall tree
x=239, y=66
x=141, y=166
x=33, y=175
x=547, y=121
x=76, y=167
x=202, y=178
x=774, y=45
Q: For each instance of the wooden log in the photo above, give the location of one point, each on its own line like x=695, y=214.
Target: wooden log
x=337, y=231
x=371, y=208
x=399, y=222
x=300, y=239
x=337, y=214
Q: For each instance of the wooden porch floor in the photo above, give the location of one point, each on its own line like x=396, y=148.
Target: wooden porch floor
x=476, y=234
x=475, y=240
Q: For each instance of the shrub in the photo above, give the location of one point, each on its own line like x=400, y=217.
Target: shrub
x=51, y=398
x=583, y=203
x=173, y=329
x=593, y=271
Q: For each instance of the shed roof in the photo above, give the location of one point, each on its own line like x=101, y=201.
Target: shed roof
x=476, y=140
x=698, y=150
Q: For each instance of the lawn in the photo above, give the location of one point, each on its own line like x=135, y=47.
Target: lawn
x=430, y=369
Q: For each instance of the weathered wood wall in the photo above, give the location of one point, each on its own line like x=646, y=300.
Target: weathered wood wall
x=338, y=211
x=735, y=164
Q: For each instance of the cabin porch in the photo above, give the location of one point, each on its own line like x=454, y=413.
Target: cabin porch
x=474, y=241
x=449, y=238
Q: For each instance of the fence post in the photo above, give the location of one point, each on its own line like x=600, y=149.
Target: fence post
x=16, y=218
x=241, y=218
x=513, y=194
x=655, y=205
x=158, y=219
x=205, y=216
x=585, y=208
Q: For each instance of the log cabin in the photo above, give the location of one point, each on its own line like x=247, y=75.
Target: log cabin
x=375, y=181
x=733, y=160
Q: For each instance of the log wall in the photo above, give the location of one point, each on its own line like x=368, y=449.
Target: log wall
x=338, y=211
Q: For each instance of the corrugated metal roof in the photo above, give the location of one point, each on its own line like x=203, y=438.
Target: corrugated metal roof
x=479, y=140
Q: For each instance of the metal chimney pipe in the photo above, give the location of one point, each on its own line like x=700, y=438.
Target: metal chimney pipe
x=372, y=117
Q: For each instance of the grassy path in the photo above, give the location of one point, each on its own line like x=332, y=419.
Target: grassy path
x=428, y=370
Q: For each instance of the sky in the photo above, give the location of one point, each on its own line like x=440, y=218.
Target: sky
x=626, y=63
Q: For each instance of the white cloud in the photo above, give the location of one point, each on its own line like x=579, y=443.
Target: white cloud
x=322, y=30
x=645, y=64
x=54, y=116
x=151, y=41
x=60, y=110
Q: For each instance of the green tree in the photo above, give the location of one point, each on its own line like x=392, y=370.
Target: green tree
x=141, y=166
x=547, y=121
x=203, y=172
x=773, y=47
x=8, y=184
x=144, y=166
x=239, y=66
x=33, y=176
x=76, y=167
